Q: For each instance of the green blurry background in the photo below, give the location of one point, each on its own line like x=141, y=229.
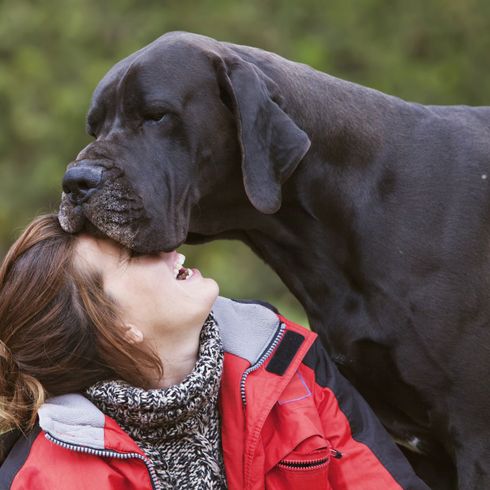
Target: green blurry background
x=52, y=53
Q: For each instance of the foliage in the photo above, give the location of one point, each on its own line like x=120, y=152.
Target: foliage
x=52, y=54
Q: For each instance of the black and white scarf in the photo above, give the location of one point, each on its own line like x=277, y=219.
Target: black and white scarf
x=178, y=427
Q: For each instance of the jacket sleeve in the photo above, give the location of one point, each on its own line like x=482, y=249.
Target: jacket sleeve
x=16, y=448
x=364, y=457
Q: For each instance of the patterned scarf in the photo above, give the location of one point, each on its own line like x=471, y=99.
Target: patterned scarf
x=178, y=427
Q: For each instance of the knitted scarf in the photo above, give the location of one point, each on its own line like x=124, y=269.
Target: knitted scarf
x=178, y=427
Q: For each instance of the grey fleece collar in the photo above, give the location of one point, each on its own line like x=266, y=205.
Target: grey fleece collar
x=246, y=330
x=73, y=419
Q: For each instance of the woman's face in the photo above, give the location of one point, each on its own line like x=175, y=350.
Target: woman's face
x=146, y=289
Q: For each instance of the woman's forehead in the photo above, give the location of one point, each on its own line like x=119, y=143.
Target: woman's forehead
x=98, y=251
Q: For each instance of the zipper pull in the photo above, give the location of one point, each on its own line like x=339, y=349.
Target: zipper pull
x=336, y=454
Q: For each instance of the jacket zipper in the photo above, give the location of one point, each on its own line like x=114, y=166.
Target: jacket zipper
x=262, y=359
x=109, y=454
x=303, y=465
x=308, y=464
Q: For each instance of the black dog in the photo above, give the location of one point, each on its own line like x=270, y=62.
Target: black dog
x=373, y=211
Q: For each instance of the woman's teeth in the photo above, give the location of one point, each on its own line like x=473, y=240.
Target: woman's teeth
x=178, y=264
x=180, y=272
x=184, y=274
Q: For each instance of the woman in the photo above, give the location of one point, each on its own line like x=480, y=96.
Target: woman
x=113, y=376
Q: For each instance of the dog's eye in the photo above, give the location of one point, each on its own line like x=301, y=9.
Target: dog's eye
x=155, y=117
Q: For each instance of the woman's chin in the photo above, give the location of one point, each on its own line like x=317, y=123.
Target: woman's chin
x=202, y=293
x=211, y=292
x=213, y=289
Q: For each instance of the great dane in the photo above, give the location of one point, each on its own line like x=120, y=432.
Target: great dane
x=373, y=211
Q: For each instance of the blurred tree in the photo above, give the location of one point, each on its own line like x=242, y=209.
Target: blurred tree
x=52, y=54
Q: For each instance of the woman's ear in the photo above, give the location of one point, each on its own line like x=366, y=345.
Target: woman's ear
x=133, y=334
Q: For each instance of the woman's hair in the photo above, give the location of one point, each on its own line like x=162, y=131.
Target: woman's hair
x=59, y=331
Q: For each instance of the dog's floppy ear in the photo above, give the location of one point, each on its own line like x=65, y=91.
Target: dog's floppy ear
x=272, y=145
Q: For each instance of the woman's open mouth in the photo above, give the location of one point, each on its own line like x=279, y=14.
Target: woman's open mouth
x=181, y=273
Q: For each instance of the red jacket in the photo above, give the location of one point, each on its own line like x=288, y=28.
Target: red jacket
x=289, y=421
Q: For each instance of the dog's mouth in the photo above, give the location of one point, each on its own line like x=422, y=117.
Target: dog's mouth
x=74, y=221
x=115, y=211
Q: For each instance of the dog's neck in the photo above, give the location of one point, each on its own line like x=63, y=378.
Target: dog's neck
x=346, y=122
x=344, y=176
x=324, y=200
x=281, y=239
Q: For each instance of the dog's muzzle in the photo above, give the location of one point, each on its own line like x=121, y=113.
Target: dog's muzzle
x=98, y=199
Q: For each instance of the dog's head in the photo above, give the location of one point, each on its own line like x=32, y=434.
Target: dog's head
x=183, y=120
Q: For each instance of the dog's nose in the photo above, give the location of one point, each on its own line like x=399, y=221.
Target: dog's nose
x=80, y=182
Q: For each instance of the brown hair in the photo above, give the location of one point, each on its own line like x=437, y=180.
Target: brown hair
x=59, y=332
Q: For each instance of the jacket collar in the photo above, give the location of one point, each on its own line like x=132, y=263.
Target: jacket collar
x=73, y=419
x=246, y=328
